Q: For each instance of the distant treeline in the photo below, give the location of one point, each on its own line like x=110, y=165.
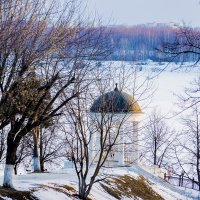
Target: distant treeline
x=141, y=42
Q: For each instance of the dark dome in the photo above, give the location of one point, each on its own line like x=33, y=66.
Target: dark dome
x=115, y=101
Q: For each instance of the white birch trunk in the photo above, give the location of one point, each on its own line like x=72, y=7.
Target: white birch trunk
x=8, y=176
x=36, y=164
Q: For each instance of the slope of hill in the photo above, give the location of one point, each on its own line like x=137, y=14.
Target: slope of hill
x=122, y=183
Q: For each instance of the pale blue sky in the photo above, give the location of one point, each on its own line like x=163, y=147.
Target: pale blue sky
x=131, y=12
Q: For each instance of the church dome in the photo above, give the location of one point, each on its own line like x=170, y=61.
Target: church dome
x=115, y=102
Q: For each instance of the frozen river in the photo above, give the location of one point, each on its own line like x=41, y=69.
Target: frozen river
x=167, y=85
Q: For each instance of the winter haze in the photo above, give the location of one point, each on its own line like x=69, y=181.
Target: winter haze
x=133, y=12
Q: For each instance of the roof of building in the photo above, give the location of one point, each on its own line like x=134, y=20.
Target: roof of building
x=115, y=101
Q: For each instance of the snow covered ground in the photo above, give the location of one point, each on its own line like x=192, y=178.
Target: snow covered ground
x=51, y=186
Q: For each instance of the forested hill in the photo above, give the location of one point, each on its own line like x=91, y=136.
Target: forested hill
x=140, y=42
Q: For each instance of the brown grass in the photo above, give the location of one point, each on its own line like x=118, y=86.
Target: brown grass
x=17, y=195
x=57, y=188
x=127, y=186
x=118, y=187
x=65, y=189
x=69, y=188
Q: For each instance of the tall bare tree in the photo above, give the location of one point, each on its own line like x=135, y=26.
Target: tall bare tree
x=51, y=146
x=51, y=39
x=24, y=152
x=93, y=132
x=83, y=128
x=187, y=148
x=157, y=139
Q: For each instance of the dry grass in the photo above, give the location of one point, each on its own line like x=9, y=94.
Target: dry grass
x=127, y=186
x=17, y=195
x=65, y=189
x=118, y=187
x=29, y=195
x=69, y=188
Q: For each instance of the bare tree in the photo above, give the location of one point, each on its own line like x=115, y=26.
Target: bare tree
x=187, y=148
x=79, y=141
x=52, y=40
x=186, y=44
x=93, y=132
x=158, y=139
x=51, y=146
x=49, y=149
x=24, y=152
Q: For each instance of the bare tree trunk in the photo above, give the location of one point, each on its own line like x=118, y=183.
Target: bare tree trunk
x=42, y=166
x=15, y=169
x=10, y=162
x=198, y=151
x=36, y=159
x=198, y=174
x=41, y=149
x=83, y=192
x=155, y=151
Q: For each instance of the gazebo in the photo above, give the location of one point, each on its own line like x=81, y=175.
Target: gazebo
x=121, y=106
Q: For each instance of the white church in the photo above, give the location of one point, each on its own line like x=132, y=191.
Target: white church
x=123, y=106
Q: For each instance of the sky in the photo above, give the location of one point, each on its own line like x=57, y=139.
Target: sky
x=133, y=12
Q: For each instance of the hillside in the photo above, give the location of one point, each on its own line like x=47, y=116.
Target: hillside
x=122, y=183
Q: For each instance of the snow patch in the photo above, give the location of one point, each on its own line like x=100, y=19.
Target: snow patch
x=5, y=198
x=50, y=195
